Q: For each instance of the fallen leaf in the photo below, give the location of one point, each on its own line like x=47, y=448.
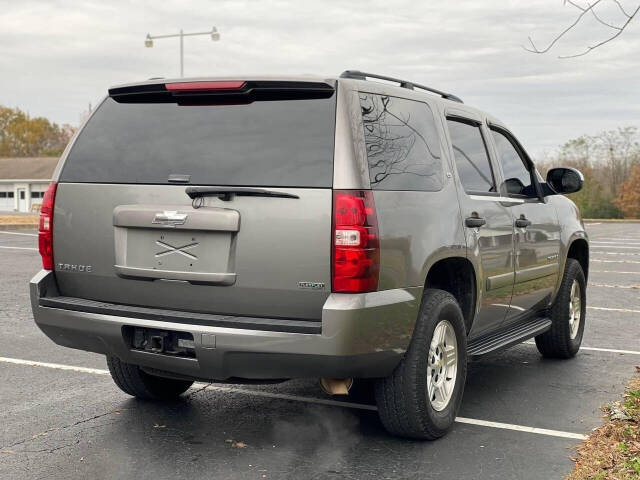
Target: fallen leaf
x=238, y=445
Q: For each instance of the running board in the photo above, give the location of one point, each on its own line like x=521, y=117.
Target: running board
x=507, y=337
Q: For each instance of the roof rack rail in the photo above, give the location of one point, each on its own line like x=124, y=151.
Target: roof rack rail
x=358, y=75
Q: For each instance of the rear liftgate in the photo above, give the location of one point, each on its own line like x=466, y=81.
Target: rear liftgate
x=195, y=246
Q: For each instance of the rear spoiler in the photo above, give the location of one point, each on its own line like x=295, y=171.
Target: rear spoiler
x=220, y=92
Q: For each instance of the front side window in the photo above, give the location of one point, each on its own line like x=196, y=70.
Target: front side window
x=472, y=160
x=402, y=142
x=517, y=175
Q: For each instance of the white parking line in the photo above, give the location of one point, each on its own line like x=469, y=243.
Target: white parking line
x=19, y=233
x=522, y=428
x=56, y=366
x=598, y=349
x=606, y=242
x=614, y=253
x=625, y=310
x=613, y=261
x=591, y=224
x=319, y=401
x=611, y=350
x=614, y=286
x=617, y=239
x=19, y=248
x=613, y=271
x=616, y=246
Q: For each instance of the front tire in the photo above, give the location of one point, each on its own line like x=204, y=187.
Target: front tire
x=137, y=383
x=421, y=398
x=568, y=315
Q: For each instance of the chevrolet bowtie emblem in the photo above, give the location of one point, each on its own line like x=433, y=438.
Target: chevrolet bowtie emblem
x=170, y=218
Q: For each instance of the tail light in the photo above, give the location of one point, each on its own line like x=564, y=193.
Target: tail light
x=45, y=230
x=356, y=247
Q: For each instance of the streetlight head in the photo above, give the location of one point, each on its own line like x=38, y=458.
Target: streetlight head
x=215, y=35
x=148, y=42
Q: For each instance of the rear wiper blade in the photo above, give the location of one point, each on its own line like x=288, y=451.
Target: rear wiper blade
x=227, y=193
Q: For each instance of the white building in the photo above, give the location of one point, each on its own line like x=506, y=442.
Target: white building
x=23, y=182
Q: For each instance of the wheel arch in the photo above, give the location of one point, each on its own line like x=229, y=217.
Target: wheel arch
x=579, y=250
x=457, y=276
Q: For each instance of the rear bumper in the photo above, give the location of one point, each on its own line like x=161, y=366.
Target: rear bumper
x=362, y=335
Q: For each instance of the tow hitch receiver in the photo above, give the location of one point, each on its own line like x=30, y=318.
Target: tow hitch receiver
x=166, y=342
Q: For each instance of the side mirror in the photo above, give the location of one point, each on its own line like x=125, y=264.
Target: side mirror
x=514, y=186
x=564, y=180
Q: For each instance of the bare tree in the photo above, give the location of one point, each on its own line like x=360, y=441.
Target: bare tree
x=585, y=10
x=607, y=161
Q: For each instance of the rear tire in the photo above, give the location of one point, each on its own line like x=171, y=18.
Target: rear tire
x=564, y=338
x=408, y=403
x=135, y=382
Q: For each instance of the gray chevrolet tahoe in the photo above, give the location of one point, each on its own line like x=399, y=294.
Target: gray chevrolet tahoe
x=359, y=227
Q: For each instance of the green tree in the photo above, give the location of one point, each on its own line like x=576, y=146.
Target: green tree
x=592, y=200
x=23, y=136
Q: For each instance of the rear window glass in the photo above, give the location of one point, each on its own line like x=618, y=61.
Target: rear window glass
x=472, y=160
x=270, y=143
x=403, y=145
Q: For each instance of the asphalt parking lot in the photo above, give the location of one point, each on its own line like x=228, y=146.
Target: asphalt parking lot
x=63, y=417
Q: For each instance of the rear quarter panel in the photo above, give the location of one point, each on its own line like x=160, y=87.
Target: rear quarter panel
x=416, y=228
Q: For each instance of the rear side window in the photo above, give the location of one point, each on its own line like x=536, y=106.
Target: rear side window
x=276, y=143
x=403, y=145
x=472, y=160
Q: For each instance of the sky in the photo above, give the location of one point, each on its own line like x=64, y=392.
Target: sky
x=57, y=57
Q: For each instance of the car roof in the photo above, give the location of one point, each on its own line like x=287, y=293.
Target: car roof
x=372, y=86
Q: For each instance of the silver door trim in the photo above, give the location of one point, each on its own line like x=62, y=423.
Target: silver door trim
x=499, y=281
x=533, y=273
x=490, y=198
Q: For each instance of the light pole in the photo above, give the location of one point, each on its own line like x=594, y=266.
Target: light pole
x=148, y=42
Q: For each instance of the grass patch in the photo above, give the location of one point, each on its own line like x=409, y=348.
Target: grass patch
x=613, y=451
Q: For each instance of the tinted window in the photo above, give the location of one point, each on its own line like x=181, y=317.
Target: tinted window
x=403, y=146
x=274, y=143
x=472, y=160
x=517, y=177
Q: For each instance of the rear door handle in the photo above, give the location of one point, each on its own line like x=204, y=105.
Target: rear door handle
x=522, y=223
x=474, y=222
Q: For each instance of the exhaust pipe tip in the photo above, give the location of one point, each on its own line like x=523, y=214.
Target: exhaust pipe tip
x=336, y=386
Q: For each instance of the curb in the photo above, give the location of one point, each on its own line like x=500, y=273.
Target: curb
x=19, y=226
